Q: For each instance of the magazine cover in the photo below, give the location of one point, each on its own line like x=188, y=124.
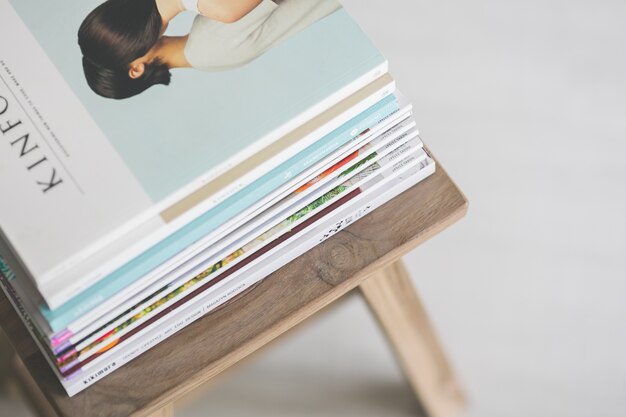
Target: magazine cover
x=145, y=105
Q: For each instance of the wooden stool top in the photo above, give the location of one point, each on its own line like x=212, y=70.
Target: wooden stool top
x=290, y=295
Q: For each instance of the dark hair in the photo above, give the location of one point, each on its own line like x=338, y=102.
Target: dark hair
x=111, y=37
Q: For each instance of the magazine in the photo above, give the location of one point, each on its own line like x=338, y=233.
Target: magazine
x=80, y=142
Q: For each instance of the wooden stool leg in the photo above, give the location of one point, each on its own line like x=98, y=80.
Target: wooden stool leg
x=167, y=411
x=6, y=356
x=392, y=298
x=31, y=391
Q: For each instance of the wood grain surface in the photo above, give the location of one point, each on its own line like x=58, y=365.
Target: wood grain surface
x=295, y=292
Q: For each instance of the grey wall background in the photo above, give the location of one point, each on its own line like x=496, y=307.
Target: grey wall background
x=525, y=105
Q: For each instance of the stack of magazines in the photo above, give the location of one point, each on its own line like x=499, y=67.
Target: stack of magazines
x=155, y=163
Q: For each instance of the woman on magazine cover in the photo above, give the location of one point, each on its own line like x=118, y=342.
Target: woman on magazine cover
x=125, y=51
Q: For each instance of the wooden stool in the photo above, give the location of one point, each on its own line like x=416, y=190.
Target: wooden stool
x=365, y=255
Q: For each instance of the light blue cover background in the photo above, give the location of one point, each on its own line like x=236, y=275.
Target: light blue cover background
x=169, y=136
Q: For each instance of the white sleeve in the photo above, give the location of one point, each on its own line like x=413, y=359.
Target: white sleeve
x=290, y=17
x=191, y=5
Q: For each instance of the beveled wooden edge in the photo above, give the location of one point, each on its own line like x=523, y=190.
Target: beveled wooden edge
x=166, y=411
x=442, y=204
